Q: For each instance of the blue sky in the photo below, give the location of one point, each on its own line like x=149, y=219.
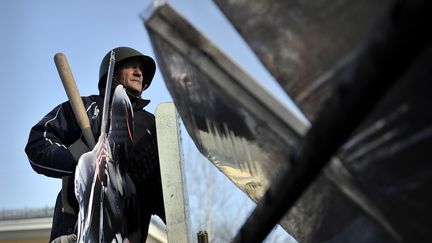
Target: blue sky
x=34, y=31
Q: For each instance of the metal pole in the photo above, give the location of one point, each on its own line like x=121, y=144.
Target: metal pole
x=172, y=174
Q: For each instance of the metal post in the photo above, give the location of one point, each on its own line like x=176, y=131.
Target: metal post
x=173, y=179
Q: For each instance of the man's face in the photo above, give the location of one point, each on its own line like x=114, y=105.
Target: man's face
x=130, y=74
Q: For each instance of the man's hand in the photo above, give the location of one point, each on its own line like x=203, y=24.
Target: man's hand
x=102, y=156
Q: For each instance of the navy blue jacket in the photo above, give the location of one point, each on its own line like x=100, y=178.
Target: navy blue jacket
x=49, y=153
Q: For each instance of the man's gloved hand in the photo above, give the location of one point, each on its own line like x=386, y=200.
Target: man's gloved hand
x=102, y=156
x=65, y=239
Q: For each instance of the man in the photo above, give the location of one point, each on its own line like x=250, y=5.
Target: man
x=55, y=143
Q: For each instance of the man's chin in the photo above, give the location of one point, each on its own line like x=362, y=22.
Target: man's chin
x=134, y=88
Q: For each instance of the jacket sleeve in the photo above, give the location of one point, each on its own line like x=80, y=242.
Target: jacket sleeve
x=48, y=146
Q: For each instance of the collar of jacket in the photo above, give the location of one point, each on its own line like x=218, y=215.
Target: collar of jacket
x=139, y=104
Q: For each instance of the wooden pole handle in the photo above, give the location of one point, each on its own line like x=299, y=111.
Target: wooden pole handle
x=75, y=100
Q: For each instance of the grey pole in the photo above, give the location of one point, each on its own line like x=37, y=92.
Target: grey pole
x=172, y=174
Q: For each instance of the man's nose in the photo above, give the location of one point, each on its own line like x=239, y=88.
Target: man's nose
x=137, y=71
